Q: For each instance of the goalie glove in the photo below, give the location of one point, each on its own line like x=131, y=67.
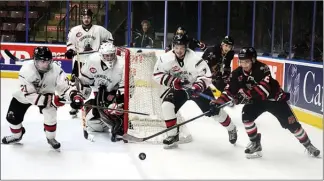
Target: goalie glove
x=113, y=111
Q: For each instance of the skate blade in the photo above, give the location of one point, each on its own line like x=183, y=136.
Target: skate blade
x=57, y=150
x=16, y=143
x=254, y=155
x=171, y=146
x=74, y=116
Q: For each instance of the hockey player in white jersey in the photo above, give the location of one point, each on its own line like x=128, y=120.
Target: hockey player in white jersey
x=182, y=69
x=39, y=79
x=83, y=38
x=104, y=71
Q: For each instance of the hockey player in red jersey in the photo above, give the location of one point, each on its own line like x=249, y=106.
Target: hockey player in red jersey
x=251, y=84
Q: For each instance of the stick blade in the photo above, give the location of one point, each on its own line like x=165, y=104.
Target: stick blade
x=132, y=138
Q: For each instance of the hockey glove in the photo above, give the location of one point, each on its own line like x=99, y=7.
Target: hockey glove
x=194, y=90
x=179, y=84
x=226, y=76
x=214, y=110
x=69, y=54
x=57, y=101
x=113, y=111
x=77, y=100
x=243, y=97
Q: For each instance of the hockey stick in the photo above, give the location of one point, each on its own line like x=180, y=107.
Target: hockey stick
x=120, y=110
x=11, y=56
x=83, y=114
x=136, y=139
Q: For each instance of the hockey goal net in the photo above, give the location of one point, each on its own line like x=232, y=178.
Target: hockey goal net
x=145, y=98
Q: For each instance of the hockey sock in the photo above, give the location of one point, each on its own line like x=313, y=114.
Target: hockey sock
x=228, y=124
x=251, y=129
x=50, y=131
x=16, y=130
x=302, y=136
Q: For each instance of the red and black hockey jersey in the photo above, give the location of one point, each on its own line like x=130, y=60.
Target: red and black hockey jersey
x=257, y=84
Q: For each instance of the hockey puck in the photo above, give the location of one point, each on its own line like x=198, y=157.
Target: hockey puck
x=142, y=156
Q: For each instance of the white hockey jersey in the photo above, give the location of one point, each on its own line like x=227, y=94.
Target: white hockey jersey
x=95, y=73
x=194, y=69
x=33, y=87
x=81, y=40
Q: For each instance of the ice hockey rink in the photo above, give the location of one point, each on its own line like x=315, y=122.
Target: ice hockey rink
x=209, y=156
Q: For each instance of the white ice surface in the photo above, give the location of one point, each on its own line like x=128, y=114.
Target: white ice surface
x=209, y=156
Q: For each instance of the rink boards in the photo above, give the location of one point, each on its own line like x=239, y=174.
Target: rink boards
x=303, y=80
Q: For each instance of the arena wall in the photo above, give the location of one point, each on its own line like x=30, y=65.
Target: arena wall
x=303, y=80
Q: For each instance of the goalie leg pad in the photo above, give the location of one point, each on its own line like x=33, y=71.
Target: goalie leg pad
x=94, y=123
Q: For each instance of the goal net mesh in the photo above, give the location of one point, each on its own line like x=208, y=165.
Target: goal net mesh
x=146, y=99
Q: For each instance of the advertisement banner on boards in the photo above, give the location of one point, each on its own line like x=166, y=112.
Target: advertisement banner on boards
x=305, y=85
x=23, y=51
x=276, y=68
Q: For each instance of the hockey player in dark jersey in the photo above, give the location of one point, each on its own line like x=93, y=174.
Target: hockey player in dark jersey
x=251, y=84
x=219, y=59
x=193, y=43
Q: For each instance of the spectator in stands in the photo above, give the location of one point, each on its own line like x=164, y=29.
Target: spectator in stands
x=144, y=39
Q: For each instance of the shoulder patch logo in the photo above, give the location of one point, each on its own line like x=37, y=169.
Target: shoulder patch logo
x=78, y=34
x=93, y=70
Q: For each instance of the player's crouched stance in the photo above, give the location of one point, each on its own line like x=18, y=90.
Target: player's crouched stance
x=104, y=71
x=39, y=79
x=185, y=74
x=251, y=84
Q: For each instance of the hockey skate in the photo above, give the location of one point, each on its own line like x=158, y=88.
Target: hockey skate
x=55, y=144
x=117, y=136
x=254, y=148
x=232, y=135
x=12, y=139
x=171, y=142
x=74, y=113
x=312, y=150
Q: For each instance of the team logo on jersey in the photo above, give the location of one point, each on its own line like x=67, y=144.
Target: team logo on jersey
x=78, y=34
x=93, y=70
x=240, y=78
x=110, y=97
x=175, y=69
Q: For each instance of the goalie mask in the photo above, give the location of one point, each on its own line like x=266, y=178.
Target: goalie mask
x=43, y=59
x=108, y=54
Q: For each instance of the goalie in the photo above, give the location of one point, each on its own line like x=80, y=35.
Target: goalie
x=104, y=72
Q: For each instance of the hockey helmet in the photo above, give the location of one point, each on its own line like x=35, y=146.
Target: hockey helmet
x=108, y=54
x=181, y=31
x=180, y=40
x=247, y=53
x=85, y=20
x=86, y=12
x=228, y=40
x=43, y=58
